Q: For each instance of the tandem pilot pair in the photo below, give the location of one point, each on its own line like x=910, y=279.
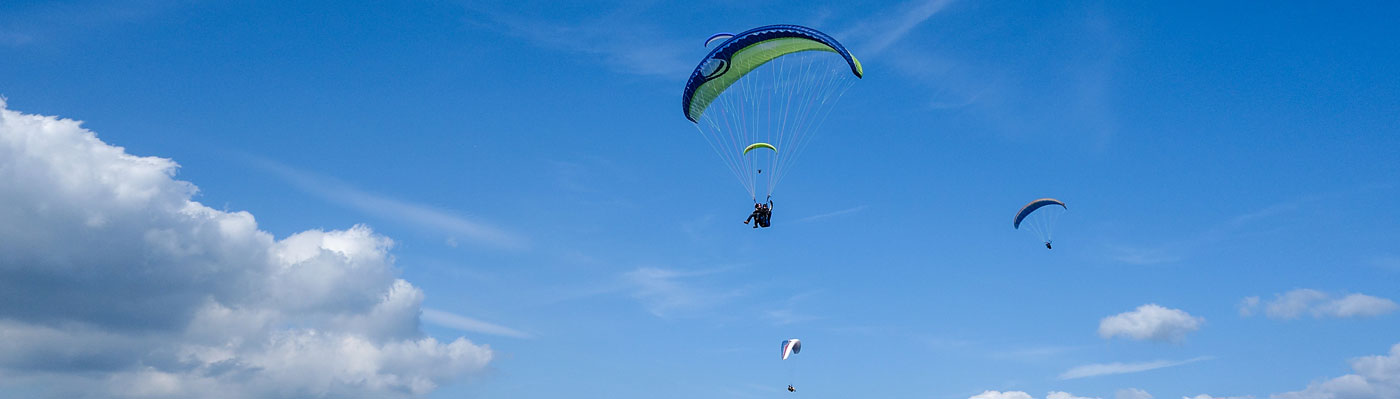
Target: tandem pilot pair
x=762, y=214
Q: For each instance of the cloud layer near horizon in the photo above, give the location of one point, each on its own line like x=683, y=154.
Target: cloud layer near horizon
x=115, y=283
x=1373, y=377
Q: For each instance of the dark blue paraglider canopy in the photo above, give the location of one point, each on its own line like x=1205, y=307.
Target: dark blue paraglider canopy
x=1031, y=207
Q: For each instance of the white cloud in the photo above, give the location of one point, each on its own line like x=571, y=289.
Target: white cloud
x=1296, y=303
x=1132, y=393
x=1001, y=395
x=1373, y=377
x=1358, y=305
x=1098, y=369
x=1022, y=395
x=1248, y=305
x=1150, y=322
x=1204, y=396
x=114, y=283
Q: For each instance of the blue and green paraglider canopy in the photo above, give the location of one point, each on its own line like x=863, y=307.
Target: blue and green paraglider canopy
x=771, y=85
x=744, y=52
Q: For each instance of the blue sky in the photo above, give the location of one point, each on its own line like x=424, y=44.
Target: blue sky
x=529, y=162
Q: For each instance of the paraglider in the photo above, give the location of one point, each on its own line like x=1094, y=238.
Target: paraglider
x=1039, y=219
x=751, y=147
x=766, y=88
x=718, y=38
x=791, y=347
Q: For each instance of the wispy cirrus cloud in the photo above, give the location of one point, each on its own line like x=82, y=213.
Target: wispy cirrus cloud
x=1387, y=262
x=23, y=25
x=1232, y=228
x=464, y=323
x=817, y=217
x=669, y=292
x=787, y=312
x=621, y=41
x=630, y=43
x=875, y=34
x=1143, y=256
x=421, y=215
x=1100, y=369
x=1034, y=353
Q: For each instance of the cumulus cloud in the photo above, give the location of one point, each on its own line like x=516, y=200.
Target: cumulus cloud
x=1372, y=377
x=1150, y=322
x=115, y=283
x=1132, y=393
x=1297, y=303
x=1001, y=395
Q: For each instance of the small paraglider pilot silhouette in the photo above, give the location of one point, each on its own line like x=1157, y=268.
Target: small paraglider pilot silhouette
x=791, y=389
x=1047, y=245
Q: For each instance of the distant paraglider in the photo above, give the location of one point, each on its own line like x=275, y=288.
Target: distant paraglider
x=1039, y=219
x=753, y=146
x=791, y=347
